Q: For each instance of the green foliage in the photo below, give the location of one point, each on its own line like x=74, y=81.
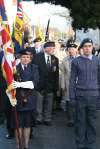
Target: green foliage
x=86, y=13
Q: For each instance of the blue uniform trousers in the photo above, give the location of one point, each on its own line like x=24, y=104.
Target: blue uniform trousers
x=85, y=125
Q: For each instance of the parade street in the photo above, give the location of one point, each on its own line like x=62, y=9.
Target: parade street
x=57, y=136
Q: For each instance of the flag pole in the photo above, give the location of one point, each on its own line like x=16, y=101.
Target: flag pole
x=17, y=127
x=15, y=113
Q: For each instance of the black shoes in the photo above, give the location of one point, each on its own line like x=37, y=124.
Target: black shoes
x=8, y=136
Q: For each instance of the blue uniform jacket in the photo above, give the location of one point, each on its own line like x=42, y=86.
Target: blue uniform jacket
x=29, y=74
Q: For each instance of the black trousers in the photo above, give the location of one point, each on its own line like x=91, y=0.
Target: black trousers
x=85, y=125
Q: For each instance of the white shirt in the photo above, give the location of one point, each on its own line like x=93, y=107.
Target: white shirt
x=46, y=57
x=23, y=66
x=38, y=50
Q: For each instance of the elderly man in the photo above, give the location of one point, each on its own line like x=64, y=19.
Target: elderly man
x=49, y=77
x=65, y=67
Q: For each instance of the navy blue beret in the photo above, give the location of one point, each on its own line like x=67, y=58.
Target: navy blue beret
x=86, y=40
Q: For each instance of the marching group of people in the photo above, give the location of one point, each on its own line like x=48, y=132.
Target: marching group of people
x=43, y=81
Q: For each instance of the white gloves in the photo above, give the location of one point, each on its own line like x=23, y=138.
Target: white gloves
x=16, y=84
x=27, y=84
x=12, y=101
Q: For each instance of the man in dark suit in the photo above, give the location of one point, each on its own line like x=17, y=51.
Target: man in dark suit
x=49, y=78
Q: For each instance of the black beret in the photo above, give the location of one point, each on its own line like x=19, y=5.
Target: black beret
x=49, y=44
x=26, y=51
x=71, y=44
x=37, y=39
x=86, y=40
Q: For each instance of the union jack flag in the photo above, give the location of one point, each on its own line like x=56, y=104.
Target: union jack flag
x=8, y=61
x=19, y=9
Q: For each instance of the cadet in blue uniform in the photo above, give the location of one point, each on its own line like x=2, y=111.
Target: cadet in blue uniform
x=27, y=78
x=84, y=90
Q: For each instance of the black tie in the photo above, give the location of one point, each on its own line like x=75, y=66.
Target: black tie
x=25, y=67
x=48, y=62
